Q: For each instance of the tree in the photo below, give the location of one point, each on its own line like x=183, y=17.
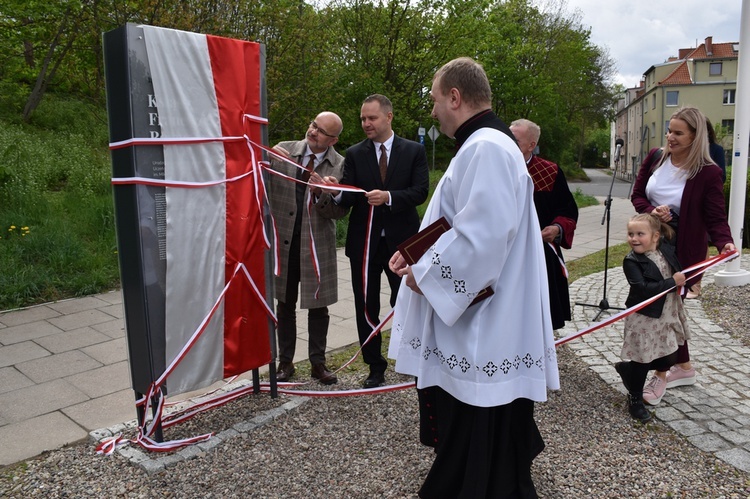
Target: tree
x=57, y=49
x=543, y=67
x=331, y=55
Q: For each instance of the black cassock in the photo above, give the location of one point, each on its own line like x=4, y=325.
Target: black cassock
x=554, y=205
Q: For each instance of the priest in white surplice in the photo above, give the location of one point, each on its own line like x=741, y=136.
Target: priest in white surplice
x=480, y=367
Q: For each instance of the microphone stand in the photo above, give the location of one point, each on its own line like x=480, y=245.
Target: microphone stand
x=632, y=178
x=604, y=303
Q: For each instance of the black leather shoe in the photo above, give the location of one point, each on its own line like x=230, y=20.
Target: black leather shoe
x=285, y=371
x=374, y=380
x=322, y=374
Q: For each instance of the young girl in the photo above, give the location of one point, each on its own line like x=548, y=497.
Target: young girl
x=652, y=334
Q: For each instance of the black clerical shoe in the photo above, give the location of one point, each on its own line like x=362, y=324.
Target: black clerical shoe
x=322, y=374
x=374, y=380
x=285, y=371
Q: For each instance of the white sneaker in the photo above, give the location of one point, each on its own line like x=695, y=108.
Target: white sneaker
x=654, y=390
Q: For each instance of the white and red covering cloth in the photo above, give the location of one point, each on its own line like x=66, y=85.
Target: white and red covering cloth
x=502, y=348
x=205, y=86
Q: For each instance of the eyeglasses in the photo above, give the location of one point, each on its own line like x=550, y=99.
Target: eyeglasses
x=315, y=127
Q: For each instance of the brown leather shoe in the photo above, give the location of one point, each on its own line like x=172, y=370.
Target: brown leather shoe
x=285, y=371
x=322, y=374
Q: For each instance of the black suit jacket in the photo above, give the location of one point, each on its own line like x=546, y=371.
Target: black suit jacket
x=408, y=182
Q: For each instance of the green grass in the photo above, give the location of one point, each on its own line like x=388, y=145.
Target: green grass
x=593, y=263
x=584, y=200
x=57, y=234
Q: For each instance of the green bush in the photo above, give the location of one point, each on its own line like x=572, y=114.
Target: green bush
x=57, y=234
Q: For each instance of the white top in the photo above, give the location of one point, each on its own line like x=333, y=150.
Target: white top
x=502, y=348
x=665, y=186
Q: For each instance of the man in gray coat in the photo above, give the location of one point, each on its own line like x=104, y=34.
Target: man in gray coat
x=305, y=217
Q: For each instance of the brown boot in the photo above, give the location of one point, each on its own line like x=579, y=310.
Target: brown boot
x=285, y=371
x=322, y=374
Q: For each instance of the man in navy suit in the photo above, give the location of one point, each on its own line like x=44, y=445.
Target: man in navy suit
x=395, y=175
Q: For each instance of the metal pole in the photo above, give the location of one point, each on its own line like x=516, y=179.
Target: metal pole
x=732, y=274
x=433, y=154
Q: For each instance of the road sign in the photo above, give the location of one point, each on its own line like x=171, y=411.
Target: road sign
x=434, y=133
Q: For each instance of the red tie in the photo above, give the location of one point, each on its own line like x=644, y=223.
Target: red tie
x=308, y=169
x=383, y=162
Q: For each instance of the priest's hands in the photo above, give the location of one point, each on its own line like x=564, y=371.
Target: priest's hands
x=398, y=266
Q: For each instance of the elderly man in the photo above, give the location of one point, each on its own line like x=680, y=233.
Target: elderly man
x=557, y=212
x=304, y=215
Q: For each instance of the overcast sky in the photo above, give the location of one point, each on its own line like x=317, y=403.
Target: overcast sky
x=642, y=33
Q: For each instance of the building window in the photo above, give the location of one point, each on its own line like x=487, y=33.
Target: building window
x=729, y=96
x=714, y=69
x=645, y=104
x=728, y=125
x=672, y=97
x=653, y=129
x=653, y=103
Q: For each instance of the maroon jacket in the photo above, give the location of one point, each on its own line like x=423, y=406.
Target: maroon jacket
x=702, y=211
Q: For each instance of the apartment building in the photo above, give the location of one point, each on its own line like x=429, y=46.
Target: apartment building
x=704, y=77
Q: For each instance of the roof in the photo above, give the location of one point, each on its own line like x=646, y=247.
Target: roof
x=681, y=74
x=719, y=51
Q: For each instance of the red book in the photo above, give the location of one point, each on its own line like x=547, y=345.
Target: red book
x=413, y=248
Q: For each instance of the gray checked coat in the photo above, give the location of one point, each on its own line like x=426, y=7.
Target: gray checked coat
x=281, y=195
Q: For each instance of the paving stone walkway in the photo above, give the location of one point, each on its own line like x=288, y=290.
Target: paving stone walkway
x=713, y=414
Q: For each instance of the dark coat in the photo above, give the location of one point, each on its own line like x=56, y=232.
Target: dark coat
x=646, y=281
x=702, y=211
x=408, y=182
x=554, y=204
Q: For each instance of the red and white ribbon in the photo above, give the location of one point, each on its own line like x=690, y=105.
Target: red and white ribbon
x=366, y=264
x=265, y=387
x=169, y=141
x=697, y=269
x=563, y=268
x=156, y=182
x=155, y=394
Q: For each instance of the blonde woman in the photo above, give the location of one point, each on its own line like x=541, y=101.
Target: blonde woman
x=683, y=188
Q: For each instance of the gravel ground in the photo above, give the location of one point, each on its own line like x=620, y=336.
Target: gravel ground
x=363, y=447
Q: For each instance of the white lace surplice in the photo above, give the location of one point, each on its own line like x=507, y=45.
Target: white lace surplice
x=503, y=347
